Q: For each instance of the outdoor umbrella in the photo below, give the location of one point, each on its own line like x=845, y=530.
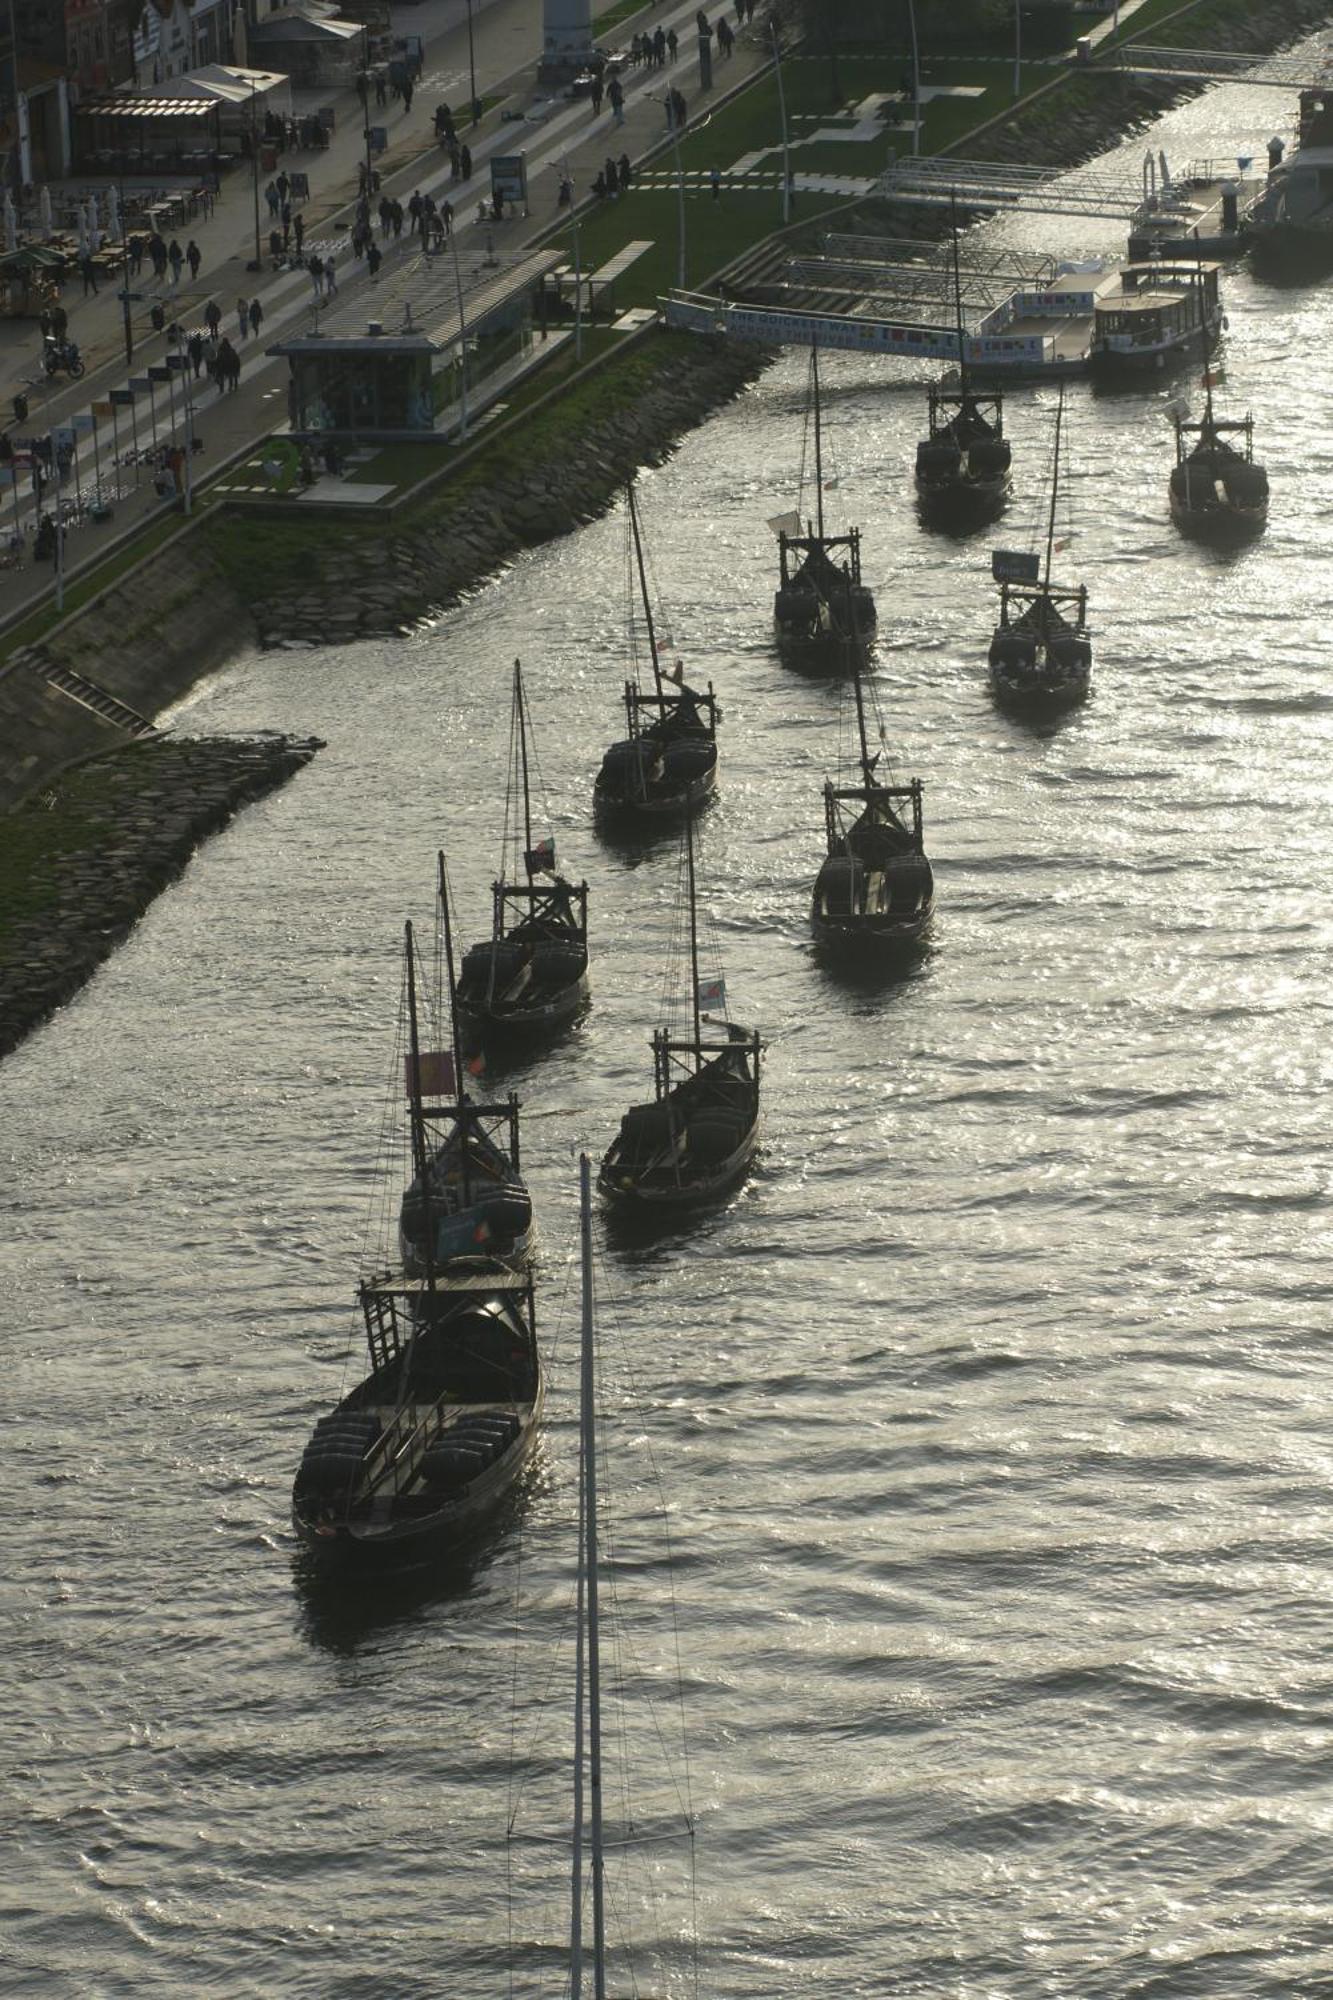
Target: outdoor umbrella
x=44, y=210
x=113, y=223
x=81, y=222
x=94, y=226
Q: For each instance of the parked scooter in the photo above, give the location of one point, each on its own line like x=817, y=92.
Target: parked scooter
x=62, y=356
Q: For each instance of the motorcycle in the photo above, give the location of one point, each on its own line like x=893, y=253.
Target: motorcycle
x=62, y=355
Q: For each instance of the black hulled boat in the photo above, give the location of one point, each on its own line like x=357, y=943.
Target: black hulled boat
x=697, y=1137
x=531, y=975
x=667, y=765
x=875, y=892
x=1040, y=653
x=414, y=1460
x=820, y=600
x=1216, y=490
x=962, y=464
x=467, y=1196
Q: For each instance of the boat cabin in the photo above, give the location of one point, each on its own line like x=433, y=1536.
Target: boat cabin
x=1155, y=308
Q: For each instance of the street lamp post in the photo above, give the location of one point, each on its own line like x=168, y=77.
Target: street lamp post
x=782, y=114
x=462, y=337
x=674, y=129
x=257, y=263
x=472, y=64
x=125, y=278
x=916, y=78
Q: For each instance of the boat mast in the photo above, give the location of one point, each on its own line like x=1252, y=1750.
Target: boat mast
x=449, y=968
x=867, y=761
x=588, y=1565
x=1055, y=487
x=416, y=1116
x=643, y=589
x=694, y=933
x=958, y=298
x=580, y=1658
x=819, y=458
x=521, y=715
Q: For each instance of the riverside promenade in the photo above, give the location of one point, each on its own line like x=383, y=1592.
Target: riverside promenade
x=566, y=137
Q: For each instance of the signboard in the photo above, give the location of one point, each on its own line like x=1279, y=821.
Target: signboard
x=509, y=177
x=121, y=398
x=1015, y=566
x=62, y=437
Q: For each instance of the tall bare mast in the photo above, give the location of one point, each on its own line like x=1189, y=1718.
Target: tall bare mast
x=819, y=447
x=643, y=588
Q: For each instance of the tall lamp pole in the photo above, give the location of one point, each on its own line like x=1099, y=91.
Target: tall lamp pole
x=462, y=336
x=258, y=263
x=125, y=277
x=916, y=78
x=472, y=64
x=782, y=114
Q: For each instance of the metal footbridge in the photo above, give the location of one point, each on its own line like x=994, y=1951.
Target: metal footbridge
x=985, y=184
x=1216, y=66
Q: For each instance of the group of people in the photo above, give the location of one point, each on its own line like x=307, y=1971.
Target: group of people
x=653, y=50
x=161, y=255
x=613, y=178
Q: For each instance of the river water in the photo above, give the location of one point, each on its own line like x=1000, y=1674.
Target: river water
x=992, y=1414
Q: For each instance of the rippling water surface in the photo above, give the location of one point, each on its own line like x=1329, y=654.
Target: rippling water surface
x=994, y=1412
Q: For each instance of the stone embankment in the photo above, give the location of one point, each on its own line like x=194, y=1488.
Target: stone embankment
x=454, y=542
x=87, y=855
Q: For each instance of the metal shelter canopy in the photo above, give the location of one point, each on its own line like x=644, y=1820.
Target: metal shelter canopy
x=984, y=184
x=1216, y=66
x=883, y=272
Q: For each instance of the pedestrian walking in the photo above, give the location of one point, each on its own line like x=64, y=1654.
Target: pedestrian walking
x=407, y=95
x=363, y=85
x=330, y=279
x=213, y=318
x=715, y=182
x=175, y=257
x=447, y=217
x=626, y=172
x=414, y=210
x=256, y=317
x=680, y=109
x=284, y=187
x=615, y=91
x=381, y=89
x=243, y=316
x=725, y=39
x=595, y=94
x=229, y=366
x=673, y=43
x=465, y=162
x=194, y=258
x=157, y=250
x=455, y=162
x=135, y=249
x=374, y=258
x=659, y=47
x=316, y=270
x=298, y=231
x=271, y=197
x=194, y=347
x=88, y=272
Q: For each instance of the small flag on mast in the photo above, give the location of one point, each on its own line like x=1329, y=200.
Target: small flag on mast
x=541, y=858
x=434, y=1076
x=712, y=992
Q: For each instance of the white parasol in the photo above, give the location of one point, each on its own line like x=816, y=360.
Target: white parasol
x=81, y=223
x=44, y=210
x=113, y=222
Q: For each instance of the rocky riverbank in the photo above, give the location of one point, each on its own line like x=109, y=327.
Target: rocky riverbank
x=553, y=477
x=84, y=857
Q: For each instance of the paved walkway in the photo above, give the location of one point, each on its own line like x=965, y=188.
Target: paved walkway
x=557, y=135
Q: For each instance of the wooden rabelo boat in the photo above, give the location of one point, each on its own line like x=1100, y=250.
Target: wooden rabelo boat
x=531, y=975
x=414, y=1460
x=1040, y=652
x=667, y=765
x=1216, y=490
x=697, y=1137
x=467, y=1195
x=875, y=892
x=820, y=600
x=963, y=463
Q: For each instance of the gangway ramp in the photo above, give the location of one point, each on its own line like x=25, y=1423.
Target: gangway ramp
x=1281, y=72
x=907, y=275
x=992, y=186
